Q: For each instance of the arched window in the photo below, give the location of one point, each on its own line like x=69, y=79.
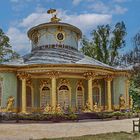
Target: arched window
x=80, y=97
x=63, y=87
x=96, y=95
x=63, y=96
x=0, y=92
x=45, y=96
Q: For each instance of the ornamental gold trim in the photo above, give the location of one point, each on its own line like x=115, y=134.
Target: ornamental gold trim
x=23, y=75
x=60, y=32
x=89, y=75
x=53, y=74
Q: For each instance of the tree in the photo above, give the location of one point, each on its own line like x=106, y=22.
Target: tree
x=105, y=43
x=6, y=52
x=133, y=58
x=87, y=49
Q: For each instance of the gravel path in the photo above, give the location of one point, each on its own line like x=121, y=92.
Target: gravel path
x=52, y=130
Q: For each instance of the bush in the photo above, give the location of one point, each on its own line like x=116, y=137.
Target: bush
x=37, y=116
x=72, y=116
x=118, y=113
x=104, y=115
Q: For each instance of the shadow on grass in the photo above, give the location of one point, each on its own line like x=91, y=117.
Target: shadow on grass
x=107, y=136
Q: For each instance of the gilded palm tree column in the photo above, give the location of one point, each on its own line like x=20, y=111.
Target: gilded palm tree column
x=109, y=98
x=90, y=76
x=53, y=94
x=53, y=76
x=23, y=77
x=23, y=97
x=90, y=100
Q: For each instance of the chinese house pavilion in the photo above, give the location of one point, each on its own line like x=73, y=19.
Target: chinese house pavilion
x=55, y=72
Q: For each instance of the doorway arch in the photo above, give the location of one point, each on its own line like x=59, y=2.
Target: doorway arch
x=64, y=94
x=45, y=94
x=80, y=97
x=96, y=95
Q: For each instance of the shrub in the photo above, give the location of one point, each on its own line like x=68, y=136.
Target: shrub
x=72, y=116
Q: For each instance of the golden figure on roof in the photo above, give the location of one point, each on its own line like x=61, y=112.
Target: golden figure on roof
x=54, y=18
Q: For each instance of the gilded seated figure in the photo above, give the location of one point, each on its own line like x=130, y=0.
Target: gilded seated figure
x=59, y=109
x=87, y=107
x=95, y=107
x=47, y=108
x=122, y=102
x=10, y=103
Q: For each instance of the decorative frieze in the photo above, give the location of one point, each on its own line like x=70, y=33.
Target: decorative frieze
x=29, y=83
x=63, y=82
x=80, y=83
x=53, y=46
x=44, y=83
x=95, y=83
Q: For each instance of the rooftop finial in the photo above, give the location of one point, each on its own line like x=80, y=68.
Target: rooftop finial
x=54, y=18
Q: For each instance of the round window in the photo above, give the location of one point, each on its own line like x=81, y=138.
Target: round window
x=60, y=36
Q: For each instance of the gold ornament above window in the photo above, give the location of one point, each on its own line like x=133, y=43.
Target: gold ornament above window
x=60, y=36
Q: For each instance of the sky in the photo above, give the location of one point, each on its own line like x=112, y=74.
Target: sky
x=18, y=16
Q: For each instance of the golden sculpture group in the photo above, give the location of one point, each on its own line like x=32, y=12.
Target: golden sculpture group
x=48, y=109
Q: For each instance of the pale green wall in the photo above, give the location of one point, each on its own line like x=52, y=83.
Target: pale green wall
x=118, y=88
x=48, y=37
x=9, y=87
x=103, y=92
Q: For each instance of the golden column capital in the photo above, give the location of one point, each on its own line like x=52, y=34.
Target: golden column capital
x=109, y=77
x=53, y=74
x=23, y=75
x=90, y=75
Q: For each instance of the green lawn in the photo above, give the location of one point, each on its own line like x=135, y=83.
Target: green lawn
x=107, y=136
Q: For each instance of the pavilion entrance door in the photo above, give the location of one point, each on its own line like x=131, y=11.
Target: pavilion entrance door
x=96, y=96
x=64, y=97
x=45, y=97
x=80, y=98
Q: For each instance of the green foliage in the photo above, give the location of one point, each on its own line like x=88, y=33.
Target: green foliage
x=135, y=93
x=55, y=117
x=6, y=52
x=105, y=136
x=133, y=58
x=72, y=116
x=105, y=43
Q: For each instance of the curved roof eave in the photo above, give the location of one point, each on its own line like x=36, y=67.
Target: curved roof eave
x=48, y=24
x=64, y=65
